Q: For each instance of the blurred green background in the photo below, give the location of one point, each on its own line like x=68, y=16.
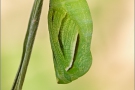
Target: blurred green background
x=112, y=47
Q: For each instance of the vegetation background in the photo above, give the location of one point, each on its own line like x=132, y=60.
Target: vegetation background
x=112, y=47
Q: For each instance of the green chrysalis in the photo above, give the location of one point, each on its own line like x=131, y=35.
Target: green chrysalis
x=70, y=28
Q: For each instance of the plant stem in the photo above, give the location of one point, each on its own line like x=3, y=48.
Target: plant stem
x=28, y=44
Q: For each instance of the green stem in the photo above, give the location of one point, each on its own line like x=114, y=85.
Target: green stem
x=28, y=44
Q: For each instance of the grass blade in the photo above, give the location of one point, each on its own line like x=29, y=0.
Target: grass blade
x=28, y=44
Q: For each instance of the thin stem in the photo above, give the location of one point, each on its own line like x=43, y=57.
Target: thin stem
x=28, y=44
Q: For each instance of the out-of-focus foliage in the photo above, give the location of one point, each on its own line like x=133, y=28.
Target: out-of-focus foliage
x=112, y=47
